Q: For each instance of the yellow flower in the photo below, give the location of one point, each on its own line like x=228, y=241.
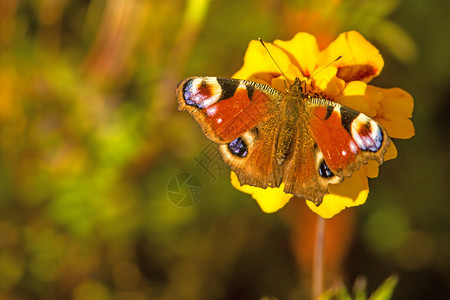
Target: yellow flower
x=345, y=82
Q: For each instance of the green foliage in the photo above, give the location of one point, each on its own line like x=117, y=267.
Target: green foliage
x=383, y=292
x=90, y=138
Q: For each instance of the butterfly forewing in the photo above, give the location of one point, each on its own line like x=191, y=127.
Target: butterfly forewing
x=224, y=108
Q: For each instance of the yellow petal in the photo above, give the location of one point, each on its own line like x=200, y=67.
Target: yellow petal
x=303, y=51
x=281, y=84
x=372, y=169
x=352, y=191
x=270, y=199
x=372, y=166
x=353, y=97
x=392, y=102
x=259, y=66
x=391, y=152
x=328, y=83
x=360, y=59
x=394, y=108
x=399, y=128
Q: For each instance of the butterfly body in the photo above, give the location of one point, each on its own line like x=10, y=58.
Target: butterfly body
x=270, y=138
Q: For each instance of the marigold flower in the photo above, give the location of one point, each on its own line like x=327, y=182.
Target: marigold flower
x=345, y=82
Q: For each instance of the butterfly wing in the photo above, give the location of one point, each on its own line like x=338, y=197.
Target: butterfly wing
x=241, y=116
x=346, y=138
x=226, y=108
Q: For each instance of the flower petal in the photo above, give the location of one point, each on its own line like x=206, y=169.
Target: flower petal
x=343, y=81
x=259, y=66
x=327, y=82
x=270, y=199
x=303, y=51
x=360, y=59
x=394, y=108
x=400, y=129
x=352, y=191
x=353, y=97
x=372, y=166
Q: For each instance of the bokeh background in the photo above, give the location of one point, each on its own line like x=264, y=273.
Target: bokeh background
x=90, y=142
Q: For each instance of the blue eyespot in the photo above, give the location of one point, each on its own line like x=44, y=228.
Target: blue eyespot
x=324, y=170
x=377, y=141
x=238, y=147
x=187, y=93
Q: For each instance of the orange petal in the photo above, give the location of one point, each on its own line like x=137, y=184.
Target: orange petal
x=270, y=199
x=258, y=64
x=372, y=166
x=352, y=191
x=303, y=51
x=360, y=59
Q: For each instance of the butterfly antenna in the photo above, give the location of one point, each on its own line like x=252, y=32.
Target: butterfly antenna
x=264, y=45
x=326, y=66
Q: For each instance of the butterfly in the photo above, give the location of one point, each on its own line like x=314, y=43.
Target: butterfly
x=269, y=137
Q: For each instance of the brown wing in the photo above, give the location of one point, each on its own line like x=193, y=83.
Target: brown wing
x=346, y=137
x=242, y=117
x=281, y=149
x=226, y=108
x=252, y=156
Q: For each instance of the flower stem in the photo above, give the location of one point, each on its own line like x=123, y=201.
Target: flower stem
x=317, y=273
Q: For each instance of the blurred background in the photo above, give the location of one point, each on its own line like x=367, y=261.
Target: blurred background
x=95, y=159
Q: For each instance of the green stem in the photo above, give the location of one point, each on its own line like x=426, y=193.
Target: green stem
x=317, y=273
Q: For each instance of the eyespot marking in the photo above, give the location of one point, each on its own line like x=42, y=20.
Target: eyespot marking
x=324, y=170
x=201, y=93
x=367, y=134
x=238, y=147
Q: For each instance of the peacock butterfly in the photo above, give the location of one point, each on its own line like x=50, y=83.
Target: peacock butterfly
x=268, y=137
